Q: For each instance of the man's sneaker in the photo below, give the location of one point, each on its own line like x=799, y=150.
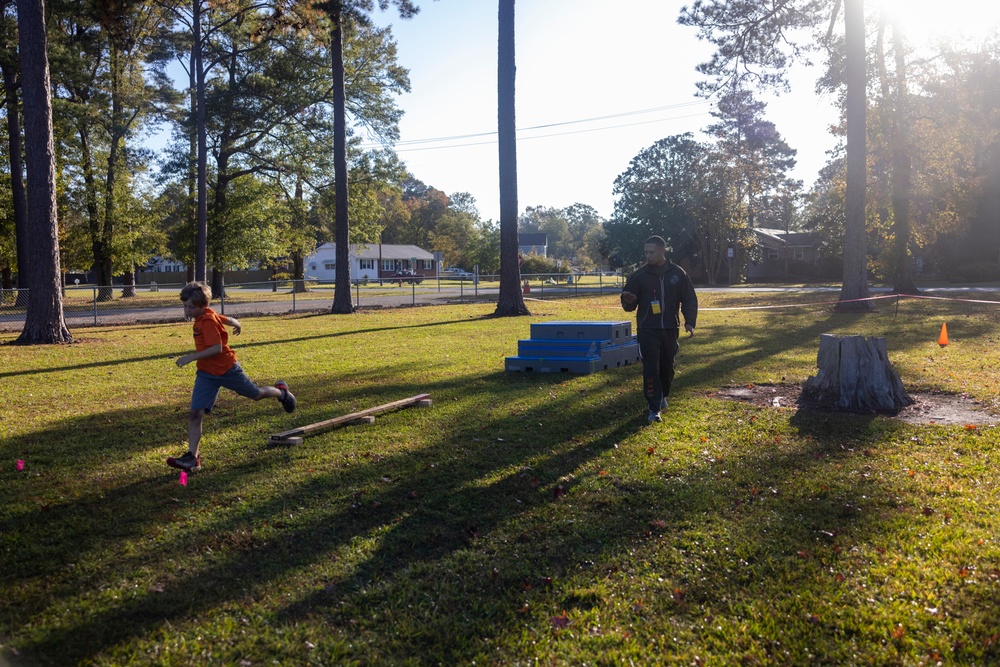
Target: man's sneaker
x=287, y=399
x=653, y=417
x=188, y=462
x=663, y=403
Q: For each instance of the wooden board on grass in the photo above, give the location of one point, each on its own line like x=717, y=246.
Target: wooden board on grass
x=294, y=435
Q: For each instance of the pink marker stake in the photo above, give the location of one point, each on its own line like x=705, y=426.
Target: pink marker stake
x=20, y=465
x=184, y=478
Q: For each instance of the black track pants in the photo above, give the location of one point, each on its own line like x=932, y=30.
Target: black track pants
x=657, y=347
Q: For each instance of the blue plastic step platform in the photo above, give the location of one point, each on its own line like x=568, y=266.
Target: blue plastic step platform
x=562, y=348
x=616, y=332
x=575, y=347
x=559, y=365
x=622, y=355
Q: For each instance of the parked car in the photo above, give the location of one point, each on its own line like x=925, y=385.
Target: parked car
x=407, y=276
x=457, y=274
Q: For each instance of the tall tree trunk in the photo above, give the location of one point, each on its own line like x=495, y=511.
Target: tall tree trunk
x=298, y=257
x=128, y=283
x=115, y=149
x=193, y=154
x=201, y=121
x=342, y=238
x=901, y=175
x=44, y=321
x=19, y=202
x=218, y=208
x=855, y=285
x=510, y=300
x=99, y=250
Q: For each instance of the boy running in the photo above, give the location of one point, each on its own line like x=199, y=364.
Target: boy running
x=217, y=368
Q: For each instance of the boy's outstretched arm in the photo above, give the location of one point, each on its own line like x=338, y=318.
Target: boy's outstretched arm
x=195, y=356
x=235, y=324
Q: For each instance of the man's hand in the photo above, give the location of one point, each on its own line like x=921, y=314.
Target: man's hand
x=235, y=324
x=689, y=329
x=628, y=297
x=182, y=361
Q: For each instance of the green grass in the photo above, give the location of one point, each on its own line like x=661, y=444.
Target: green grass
x=521, y=519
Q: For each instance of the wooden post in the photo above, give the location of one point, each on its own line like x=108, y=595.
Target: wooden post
x=855, y=375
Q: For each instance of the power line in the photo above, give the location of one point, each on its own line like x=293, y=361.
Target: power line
x=545, y=136
x=402, y=146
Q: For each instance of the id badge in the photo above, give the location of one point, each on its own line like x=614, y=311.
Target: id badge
x=655, y=306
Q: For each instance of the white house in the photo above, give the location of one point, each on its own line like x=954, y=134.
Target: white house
x=533, y=244
x=373, y=261
x=158, y=264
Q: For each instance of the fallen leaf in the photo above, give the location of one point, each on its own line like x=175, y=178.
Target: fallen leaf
x=927, y=511
x=658, y=523
x=898, y=632
x=649, y=451
x=602, y=473
x=560, y=621
x=559, y=491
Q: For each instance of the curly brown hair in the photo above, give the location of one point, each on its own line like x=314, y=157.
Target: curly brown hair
x=199, y=293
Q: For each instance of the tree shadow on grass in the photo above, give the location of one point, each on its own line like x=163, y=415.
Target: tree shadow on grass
x=65, y=546
x=484, y=492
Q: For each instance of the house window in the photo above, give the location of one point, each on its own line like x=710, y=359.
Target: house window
x=428, y=263
x=772, y=253
x=330, y=266
x=367, y=264
x=388, y=265
x=799, y=253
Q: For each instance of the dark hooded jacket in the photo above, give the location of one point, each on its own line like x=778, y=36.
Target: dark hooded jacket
x=672, y=287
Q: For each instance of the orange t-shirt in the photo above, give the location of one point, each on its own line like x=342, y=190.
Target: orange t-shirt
x=209, y=330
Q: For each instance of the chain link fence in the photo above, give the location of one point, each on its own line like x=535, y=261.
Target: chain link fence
x=92, y=305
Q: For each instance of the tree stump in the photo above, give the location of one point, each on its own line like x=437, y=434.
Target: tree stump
x=855, y=375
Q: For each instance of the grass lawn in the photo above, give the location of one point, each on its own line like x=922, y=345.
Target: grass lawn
x=522, y=519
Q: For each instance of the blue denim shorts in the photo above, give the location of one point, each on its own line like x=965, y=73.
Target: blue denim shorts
x=207, y=386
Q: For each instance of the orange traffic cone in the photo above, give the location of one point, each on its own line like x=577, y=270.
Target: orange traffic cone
x=943, y=338
x=527, y=287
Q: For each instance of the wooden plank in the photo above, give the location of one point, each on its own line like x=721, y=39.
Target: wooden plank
x=346, y=419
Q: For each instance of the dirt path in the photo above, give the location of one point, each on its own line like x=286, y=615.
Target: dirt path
x=928, y=408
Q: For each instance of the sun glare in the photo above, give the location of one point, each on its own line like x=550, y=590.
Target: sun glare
x=930, y=20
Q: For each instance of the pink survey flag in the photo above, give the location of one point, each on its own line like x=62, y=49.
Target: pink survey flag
x=184, y=478
x=20, y=465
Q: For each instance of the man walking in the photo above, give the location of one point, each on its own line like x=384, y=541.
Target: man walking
x=656, y=292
